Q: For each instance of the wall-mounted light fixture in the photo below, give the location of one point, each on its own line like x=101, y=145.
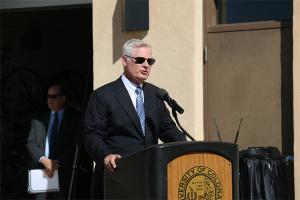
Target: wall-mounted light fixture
x=135, y=15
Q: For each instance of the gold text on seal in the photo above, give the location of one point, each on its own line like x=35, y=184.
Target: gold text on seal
x=200, y=183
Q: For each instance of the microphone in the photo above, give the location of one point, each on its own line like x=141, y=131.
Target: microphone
x=163, y=95
x=238, y=131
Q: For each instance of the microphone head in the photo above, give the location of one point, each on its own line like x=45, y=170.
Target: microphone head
x=161, y=93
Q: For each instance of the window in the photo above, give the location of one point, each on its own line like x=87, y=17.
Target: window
x=237, y=11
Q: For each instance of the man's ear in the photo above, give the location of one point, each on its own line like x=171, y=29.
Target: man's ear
x=65, y=99
x=123, y=60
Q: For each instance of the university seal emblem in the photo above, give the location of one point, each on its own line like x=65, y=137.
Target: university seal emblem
x=200, y=183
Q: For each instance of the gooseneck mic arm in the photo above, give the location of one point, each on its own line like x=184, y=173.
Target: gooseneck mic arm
x=163, y=95
x=179, y=125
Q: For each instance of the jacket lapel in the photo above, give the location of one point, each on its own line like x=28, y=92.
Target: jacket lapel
x=65, y=127
x=45, y=120
x=150, y=109
x=148, y=100
x=124, y=100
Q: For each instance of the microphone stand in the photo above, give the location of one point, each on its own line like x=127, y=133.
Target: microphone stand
x=76, y=165
x=174, y=113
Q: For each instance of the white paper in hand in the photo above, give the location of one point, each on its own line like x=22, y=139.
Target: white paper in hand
x=39, y=183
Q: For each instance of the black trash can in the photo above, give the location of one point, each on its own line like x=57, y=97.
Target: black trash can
x=263, y=174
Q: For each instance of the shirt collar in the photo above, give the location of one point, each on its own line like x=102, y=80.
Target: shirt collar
x=128, y=84
x=59, y=112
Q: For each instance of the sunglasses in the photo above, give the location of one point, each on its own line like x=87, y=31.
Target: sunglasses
x=141, y=60
x=54, y=96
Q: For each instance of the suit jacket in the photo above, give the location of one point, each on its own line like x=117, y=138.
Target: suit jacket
x=112, y=124
x=65, y=143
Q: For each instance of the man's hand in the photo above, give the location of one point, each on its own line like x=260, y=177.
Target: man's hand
x=110, y=161
x=48, y=173
x=50, y=166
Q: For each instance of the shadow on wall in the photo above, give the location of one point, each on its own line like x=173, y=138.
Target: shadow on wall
x=120, y=37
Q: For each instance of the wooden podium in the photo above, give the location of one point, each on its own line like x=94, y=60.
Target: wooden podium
x=179, y=170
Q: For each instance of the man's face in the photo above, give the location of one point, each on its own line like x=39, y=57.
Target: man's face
x=55, y=101
x=137, y=73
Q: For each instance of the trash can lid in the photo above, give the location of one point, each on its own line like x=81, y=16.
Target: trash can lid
x=260, y=151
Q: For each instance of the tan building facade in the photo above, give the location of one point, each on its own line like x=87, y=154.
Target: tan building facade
x=178, y=34
x=177, y=47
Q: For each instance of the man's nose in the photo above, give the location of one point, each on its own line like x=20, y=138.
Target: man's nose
x=146, y=64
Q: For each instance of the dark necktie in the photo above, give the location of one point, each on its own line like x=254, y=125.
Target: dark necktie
x=140, y=107
x=53, y=134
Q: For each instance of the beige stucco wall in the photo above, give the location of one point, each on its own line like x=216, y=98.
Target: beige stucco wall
x=177, y=46
x=296, y=68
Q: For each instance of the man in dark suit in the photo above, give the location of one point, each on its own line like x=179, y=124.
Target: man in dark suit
x=52, y=140
x=126, y=115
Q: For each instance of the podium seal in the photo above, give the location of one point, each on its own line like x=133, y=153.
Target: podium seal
x=200, y=182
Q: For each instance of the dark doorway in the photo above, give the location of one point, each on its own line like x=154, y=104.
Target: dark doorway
x=39, y=46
